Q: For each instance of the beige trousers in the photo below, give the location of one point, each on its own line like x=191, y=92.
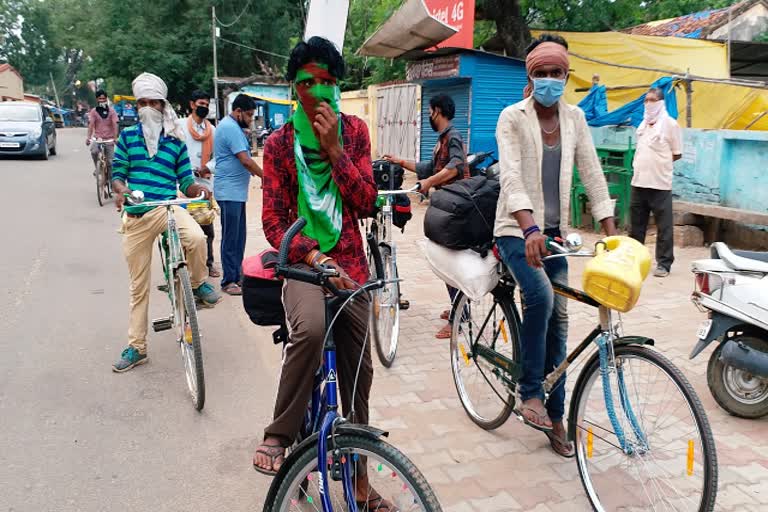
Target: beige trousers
x=139, y=236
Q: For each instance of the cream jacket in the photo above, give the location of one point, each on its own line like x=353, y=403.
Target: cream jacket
x=518, y=135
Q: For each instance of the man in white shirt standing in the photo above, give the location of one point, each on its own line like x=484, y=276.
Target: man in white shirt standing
x=659, y=144
x=198, y=135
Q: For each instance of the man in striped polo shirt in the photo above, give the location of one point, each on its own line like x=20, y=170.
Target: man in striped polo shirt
x=152, y=158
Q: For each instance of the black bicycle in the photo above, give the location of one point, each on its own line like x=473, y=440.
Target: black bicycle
x=334, y=456
x=643, y=441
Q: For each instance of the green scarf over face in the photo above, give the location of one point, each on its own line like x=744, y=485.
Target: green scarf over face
x=319, y=200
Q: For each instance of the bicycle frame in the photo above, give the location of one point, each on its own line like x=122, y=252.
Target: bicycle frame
x=604, y=335
x=172, y=256
x=323, y=414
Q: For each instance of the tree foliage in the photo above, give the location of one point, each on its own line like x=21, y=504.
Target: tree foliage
x=83, y=40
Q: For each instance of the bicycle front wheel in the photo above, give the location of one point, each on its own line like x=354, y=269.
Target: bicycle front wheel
x=385, y=313
x=100, y=184
x=390, y=474
x=657, y=451
x=189, y=338
x=483, y=332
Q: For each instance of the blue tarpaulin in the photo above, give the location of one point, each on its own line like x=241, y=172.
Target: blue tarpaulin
x=595, y=104
x=629, y=114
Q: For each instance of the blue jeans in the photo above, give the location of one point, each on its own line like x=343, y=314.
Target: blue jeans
x=544, y=331
x=233, y=232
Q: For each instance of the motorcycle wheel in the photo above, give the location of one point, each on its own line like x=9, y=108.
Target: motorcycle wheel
x=740, y=393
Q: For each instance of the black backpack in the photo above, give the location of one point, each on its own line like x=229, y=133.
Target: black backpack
x=263, y=293
x=461, y=215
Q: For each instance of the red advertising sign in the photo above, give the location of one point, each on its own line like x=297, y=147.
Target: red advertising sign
x=460, y=14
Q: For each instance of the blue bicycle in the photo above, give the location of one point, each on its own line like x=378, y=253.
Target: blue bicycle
x=338, y=465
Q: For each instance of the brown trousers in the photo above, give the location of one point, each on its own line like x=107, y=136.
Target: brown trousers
x=305, y=315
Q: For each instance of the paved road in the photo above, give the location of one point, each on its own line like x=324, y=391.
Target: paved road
x=75, y=436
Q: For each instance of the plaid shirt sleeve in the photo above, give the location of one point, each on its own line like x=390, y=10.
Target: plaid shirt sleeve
x=353, y=172
x=278, y=206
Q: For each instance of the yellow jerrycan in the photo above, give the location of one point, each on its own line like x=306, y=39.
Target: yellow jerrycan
x=614, y=277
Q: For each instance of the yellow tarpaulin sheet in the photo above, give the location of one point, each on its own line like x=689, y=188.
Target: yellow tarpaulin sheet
x=714, y=105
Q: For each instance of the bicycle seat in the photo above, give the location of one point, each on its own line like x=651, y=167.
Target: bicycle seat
x=747, y=261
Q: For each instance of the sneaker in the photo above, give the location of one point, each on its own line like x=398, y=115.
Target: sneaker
x=660, y=272
x=206, y=295
x=128, y=359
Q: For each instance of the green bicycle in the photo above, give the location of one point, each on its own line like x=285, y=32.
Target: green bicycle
x=178, y=287
x=643, y=441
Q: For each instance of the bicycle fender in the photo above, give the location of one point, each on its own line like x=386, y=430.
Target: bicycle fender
x=633, y=340
x=721, y=324
x=345, y=428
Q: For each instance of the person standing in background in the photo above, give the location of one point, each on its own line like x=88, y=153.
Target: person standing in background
x=659, y=144
x=199, y=136
x=102, y=124
x=448, y=164
x=234, y=168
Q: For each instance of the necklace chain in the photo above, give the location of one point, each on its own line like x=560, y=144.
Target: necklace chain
x=557, y=125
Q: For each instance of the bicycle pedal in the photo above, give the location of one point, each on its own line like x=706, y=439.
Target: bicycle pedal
x=404, y=305
x=162, y=324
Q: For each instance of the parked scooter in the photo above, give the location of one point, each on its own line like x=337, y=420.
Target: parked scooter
x=476, y=162
x=732, y=288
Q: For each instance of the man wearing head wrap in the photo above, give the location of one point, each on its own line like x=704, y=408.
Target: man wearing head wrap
x=318, y=166
x=540, y=139
x=151, y=158
x=658, y=145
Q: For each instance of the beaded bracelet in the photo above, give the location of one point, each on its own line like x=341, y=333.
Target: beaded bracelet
x=531, y=230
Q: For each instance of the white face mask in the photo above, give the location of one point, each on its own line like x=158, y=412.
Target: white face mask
x=151, y=125
x=653, y=110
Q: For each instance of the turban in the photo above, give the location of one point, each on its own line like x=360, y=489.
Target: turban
x=545, y=54
x=152, y=87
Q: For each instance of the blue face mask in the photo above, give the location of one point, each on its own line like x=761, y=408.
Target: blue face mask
x=548, y=91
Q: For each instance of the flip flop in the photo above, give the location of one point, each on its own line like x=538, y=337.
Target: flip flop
x=538, y=425
x=560, y=446
x=274, y=453
x=444, y=333
x=377, y=504
x=232, y=289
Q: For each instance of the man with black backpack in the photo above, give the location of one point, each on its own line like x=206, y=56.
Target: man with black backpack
x=448, y=164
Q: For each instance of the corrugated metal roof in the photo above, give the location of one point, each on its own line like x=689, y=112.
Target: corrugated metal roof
x=697, y=25
x=496, y=84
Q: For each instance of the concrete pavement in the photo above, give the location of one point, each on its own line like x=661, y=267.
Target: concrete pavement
x=77, y=437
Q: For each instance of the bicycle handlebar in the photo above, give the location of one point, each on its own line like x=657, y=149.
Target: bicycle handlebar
x=323, y=277
x=139, y=200
x=102, y=141
x=571, y=246
x=416, y=188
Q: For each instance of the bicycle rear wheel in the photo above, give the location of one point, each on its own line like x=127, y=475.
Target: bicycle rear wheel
x=480, y=330
x=668, y=461
x=189, y=338
x=390, y=474
x=385, y=313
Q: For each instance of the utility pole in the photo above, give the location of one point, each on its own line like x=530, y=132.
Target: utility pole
x=214, y=34
x=55, y=94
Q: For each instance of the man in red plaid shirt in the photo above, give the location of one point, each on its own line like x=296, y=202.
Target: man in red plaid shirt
x=318, y=166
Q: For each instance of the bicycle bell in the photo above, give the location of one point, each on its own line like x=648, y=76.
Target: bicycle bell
x=137, y=196
x=573, y=242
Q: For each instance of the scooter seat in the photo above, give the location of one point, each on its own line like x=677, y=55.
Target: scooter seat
x=753, y=255
x=747, y=261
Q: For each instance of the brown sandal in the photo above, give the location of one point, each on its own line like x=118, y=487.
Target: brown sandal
x=561, y=446
x=538, y=422
x=276, y=454
x=377, y=504
x=445, y=332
